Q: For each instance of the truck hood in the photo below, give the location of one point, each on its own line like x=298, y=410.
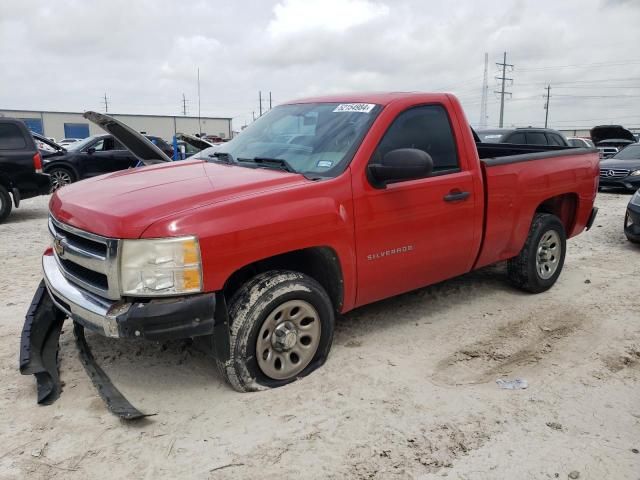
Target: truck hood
x=125, y=203
x=610, y=132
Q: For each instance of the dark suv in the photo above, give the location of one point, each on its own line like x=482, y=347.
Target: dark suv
x=523, y=136
x=20, y=166
x=92, y=156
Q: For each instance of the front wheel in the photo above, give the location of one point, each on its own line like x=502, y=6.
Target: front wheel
x=281, y=329
x=5, y=204
x=540, y=261
x=59, y=177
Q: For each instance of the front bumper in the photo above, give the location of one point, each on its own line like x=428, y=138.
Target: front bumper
x=157, y=319
x=632, y=223
x=629, y=182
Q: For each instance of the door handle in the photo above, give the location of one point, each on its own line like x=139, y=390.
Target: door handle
x=456, y=196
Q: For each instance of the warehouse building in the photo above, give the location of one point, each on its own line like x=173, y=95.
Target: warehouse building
x=61, y=125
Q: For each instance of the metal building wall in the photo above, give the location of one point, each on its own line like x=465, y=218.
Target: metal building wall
x=163, y=126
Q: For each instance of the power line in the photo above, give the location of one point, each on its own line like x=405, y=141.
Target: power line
x=600, y=64
x=504, y=66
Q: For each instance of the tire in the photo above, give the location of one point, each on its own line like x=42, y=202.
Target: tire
x=5, y=204
x=539, y=263
x=263, y=315
x=59, y=177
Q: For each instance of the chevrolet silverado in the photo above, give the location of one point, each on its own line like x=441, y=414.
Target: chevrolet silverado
x=320, y=206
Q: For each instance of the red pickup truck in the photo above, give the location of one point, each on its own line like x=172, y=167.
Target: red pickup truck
x=320, y=206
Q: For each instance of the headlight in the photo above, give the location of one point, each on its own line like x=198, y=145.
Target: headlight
x=635, y=173
x=635, y=200
x=164, y=266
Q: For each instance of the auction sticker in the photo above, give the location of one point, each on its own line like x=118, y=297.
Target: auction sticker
x=355, y=107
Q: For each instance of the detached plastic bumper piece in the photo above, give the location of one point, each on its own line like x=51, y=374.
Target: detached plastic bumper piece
x=39, y=345
x=116, y=402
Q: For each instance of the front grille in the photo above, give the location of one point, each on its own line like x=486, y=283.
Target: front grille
x=86, y=259
x=613, y=173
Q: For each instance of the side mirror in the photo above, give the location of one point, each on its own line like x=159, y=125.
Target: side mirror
x=400, y=164
x=91, y=150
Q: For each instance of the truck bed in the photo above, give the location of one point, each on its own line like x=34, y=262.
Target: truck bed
x=521, y=180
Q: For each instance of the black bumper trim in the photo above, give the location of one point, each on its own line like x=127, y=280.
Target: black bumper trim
x=592, y=218
x=169, y=319
x=116, y=402
x=39, y=345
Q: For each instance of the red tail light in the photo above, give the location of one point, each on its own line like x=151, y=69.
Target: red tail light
x=37, y=162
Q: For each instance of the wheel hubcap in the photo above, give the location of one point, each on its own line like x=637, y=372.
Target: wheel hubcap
x=288, y=339
x=59, y=179
x=548, y=254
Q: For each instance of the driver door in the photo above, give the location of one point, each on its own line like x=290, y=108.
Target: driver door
x=416, y=232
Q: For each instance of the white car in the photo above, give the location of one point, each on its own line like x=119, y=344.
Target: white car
x=580, y=142
x=68, y=141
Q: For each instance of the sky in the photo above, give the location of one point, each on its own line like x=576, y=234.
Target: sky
x=65, y=55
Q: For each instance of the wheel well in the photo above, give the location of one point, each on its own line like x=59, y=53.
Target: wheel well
x=562, y=206
x=320, y=263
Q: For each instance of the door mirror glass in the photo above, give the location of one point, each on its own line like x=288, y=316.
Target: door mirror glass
x=91, y=150
x=400, y=164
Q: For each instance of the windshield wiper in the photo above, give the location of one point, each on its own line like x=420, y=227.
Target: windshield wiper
x=222, y=157
x=271, y=163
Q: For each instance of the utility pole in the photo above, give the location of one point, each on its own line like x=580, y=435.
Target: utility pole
x=106, y=104
x=485, y=91
x=184, y=105
x=199, y=123
x=260, y=101
x=502, y=93
x=546, y=106
x=269, y=100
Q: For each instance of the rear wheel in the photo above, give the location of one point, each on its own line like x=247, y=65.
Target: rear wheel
x=540, y=261
x=59, y=177
x=5, y=204
x=281, y=330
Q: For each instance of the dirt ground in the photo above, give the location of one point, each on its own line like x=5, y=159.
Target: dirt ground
x=409, y=390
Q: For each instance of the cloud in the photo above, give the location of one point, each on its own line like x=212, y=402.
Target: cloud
x=309, y=17
x=145, y=54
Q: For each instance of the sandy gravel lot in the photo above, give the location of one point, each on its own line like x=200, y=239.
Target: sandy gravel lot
x=408, y=392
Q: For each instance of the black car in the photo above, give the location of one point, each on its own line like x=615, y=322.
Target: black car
x=632, y=219
x=622, y=170
x=20, y=166
x=523, y=136
x=90, y=157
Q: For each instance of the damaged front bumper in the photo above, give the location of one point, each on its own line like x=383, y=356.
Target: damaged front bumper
x=157, y=319
x=203, y=316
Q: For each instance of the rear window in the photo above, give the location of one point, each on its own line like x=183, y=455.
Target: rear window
x=555, y=139
x=11, y=137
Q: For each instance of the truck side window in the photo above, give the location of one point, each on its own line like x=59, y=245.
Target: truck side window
x=11, y=137
x=536, y=138
x=426, y=128
x=517, y=138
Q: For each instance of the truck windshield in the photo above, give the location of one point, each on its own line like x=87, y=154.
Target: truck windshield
x=317, y=139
